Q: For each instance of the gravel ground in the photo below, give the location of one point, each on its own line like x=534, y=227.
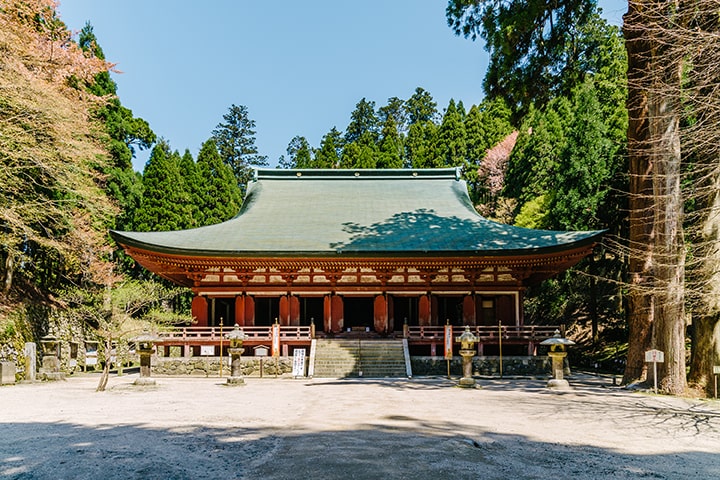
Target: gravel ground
x=191, y=428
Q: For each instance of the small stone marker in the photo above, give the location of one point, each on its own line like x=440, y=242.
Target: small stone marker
x=30, y=361
x=7, y=373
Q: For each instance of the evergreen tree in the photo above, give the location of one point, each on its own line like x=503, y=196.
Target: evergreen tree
x=165, y=203
x=235, y=140
x=218, y=197
x=420, y=145
x=331, y=147
x=450, y=147
x=363, y=123
x=390, y=147
x=189, y=174
x=299, y=154
x=421, y=107
x=394, y=109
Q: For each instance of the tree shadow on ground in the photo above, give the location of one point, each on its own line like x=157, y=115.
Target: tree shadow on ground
x=389, y=447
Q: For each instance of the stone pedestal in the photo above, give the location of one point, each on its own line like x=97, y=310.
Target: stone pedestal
x=467, y=380
x=236, y=377
x=50, y=369
x=558, y=382
x=145, y=368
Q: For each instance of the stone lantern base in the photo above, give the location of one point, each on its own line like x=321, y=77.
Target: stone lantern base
x=144, y=381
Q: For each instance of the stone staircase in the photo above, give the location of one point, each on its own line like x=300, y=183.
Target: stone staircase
x=369, y=358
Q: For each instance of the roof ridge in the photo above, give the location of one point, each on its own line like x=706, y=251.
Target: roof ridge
x=359, y=173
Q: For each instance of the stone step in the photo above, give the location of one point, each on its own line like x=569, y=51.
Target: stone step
x=353, y=358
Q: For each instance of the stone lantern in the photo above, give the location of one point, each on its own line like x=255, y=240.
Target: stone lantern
x=467, y=352
x=50, y=369
x=144, y=346
x=236, y=337
x=558, y=351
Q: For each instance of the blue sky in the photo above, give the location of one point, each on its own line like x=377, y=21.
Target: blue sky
x=299, y=67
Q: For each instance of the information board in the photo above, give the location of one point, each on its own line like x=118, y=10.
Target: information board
x=298, y=368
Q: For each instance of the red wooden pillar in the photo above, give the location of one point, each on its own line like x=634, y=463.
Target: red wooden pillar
x=469, y=310
x=424, y=311
x=337, y=314
x=380, y=310
x=249, y=311
x=327, y=313
x=294, y=311
x=284, y=311
x=199, y=311
x=240, y=310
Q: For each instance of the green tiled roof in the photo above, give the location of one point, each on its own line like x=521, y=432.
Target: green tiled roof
x=356, y=212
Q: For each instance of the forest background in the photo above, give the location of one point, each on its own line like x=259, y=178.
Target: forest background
x=583, y=126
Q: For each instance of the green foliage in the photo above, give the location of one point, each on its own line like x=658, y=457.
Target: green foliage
x=390, y=146
x=331, y=147
x=450, y=146
x=421, y=107
x=538, y=50
x=218, y=196
x=299, y=154
x=420, y=145
x=166, y=202
x=235, y=140
x=363, y=126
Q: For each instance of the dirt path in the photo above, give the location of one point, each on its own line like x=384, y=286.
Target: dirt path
x=187, y=428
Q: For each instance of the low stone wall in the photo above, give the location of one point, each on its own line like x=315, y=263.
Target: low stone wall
x=210, y=366
x=421, y=366
x=484, y=366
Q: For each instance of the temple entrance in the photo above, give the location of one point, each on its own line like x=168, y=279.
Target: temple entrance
x=222, y=310
x=267, y=309
x=450, y=309
x=358, y=312
x=405, y=309
x=311, y=310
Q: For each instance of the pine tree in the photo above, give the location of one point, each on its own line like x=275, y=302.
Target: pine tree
x=421, y=107
x=299, y=154
x=420, y=145
x=390, y=148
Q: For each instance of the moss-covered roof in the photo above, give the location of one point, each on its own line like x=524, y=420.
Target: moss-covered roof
x=356, y=212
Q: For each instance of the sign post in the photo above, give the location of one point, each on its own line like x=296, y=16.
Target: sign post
x=716, y=372
x=655, y=357
x=448, y=346
x=275, y=345
x=298, y=362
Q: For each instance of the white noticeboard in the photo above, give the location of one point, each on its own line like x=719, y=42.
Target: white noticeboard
x=716, y=370
x=207, y=350
x=654, y=356
x=298, y=369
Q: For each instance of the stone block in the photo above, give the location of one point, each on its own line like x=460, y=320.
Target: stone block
x=7, y=373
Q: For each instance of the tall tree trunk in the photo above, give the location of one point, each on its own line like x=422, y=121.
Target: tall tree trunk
x=640, y=259
x=657, y=254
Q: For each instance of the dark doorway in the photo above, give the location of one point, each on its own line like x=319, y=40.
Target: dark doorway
x=358, y=311
x=311, y=310
x=266, y=310
x=222, y=310
x=405, y=309
x=450, y=308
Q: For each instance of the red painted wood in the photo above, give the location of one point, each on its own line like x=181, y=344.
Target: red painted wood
x=337, y=314
x=249, y=311
x=294, y=311
x=424, y=311
x=391, y=314
x=469, y=310
x=380, y=311
x=327, y=313
x=199, y=310
x=505, y=308
x=240, y=310
x=284, y=311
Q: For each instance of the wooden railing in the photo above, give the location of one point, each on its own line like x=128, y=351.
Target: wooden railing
x=487, y=333
x=214, y=334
